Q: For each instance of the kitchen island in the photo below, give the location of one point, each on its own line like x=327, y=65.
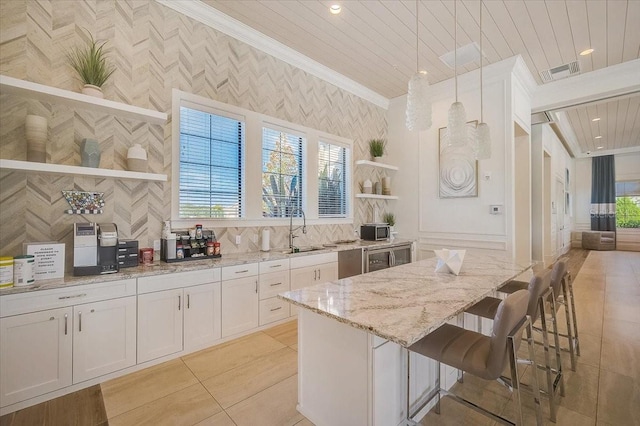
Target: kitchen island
x=352, y=334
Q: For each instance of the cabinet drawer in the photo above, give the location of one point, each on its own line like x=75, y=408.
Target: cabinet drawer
x=274, y=266
x=273, y=283
x=239, y=271
x=177, y=280
x=313, y=259
x=21, y=303
x=273, y=309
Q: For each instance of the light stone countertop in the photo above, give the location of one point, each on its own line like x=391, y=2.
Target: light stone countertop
x=159, y=268
x=407, y=302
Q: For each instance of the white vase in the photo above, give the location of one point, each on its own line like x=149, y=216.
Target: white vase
x=137, y=159
x=91, y=90
x=378, y=159
x=36, y=133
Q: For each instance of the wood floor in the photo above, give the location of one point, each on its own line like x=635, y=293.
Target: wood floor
x=252, y=381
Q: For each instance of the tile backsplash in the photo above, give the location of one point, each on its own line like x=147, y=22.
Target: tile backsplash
x=155, y=49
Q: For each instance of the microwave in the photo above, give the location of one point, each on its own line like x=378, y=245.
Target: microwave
x=375, y=231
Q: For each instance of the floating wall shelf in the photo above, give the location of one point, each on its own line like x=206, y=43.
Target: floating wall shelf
x=376, y=196
x=15, y=86
x=78, y=170
x=375, y=164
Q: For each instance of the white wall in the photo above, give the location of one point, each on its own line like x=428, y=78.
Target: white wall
x=460, y=222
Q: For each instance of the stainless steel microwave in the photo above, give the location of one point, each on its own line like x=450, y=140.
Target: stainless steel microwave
x=375, y=231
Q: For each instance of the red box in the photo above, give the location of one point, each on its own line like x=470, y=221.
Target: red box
x=146, y=256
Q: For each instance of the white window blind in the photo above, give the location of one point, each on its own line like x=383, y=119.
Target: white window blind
x=332, y=183
x=211, y=148
x=282, y=165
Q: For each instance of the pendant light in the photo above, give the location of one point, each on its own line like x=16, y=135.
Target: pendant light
x=483, y=136
x=457, y=124
x=418, y=104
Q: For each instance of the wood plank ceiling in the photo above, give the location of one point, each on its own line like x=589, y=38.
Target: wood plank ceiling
x=373, y=42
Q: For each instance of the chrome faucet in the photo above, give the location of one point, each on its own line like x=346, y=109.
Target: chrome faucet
x=292, y=230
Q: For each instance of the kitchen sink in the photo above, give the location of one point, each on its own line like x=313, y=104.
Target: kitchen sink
x=303, y=249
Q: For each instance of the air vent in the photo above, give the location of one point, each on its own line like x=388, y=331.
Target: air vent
x=558, y=73
x=466, y=55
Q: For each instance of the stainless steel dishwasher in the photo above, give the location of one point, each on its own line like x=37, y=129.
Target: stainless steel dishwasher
x=349, y=263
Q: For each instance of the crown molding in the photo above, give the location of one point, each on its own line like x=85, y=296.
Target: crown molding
x=236, y=29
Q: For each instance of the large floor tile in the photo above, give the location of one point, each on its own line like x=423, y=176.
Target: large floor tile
x=218, y=359
x=136, y=389
x=286, y=333
x=622, y=307
x=621, y=330
x=564, y=416
x=185, y=407
x=621, y=356
x=627, y=284
x=29, y=416
x=220, y=419
x=619, y=399
x=238, y=384
x=304, y=422
x=85, y=407
x=275, y=406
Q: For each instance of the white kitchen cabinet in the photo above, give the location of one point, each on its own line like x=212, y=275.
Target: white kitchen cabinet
x=239, y=305
x=35, y=354
x=159, y=324
x=177, y=311
x=104, y=337
x=311, y=270
x=388, y=390
x=202, y=322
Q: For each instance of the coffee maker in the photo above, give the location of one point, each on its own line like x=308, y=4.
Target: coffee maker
x=95, y=248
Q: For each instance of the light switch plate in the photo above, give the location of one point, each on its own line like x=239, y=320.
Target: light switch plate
x=238, y=239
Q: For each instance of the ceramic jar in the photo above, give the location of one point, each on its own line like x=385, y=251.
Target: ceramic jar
x=90, y=153
x=137, y=159
x=91, y=90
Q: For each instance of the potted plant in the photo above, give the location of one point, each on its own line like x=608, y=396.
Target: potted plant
x=389, y=218
x=376, y=148
x=92, y=66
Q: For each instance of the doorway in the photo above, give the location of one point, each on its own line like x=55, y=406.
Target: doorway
x=522, y=195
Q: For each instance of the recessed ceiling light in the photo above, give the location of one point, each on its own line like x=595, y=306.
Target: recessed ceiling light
x=598, y=137
x=335, y=9
x=600, y=147
x=423, y=72
x=596, y=119
x=586, y=52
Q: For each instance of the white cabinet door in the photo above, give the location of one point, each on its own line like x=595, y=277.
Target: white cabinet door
x=35, y=354
x=159, y=324
x=327, y=272
x=202, y=315
x=104, y=337
x=239, y=305
x=311, y=275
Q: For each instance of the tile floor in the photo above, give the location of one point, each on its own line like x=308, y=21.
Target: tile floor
x=253, y=380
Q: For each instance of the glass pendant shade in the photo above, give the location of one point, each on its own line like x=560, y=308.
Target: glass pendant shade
x=418, y=104
x=457, y=125
x=483, y=142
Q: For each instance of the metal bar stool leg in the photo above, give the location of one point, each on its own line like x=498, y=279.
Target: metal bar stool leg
x=556, y=337
x=570, y=337
x=547, y=360
x=573, y=314
x=534, y=375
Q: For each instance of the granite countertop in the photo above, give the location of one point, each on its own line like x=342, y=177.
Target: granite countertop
x=158, y=268
x=407, y=302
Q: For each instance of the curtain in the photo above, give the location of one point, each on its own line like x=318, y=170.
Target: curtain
x=603, y=194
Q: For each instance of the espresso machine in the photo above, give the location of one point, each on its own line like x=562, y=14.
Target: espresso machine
x=95, y=248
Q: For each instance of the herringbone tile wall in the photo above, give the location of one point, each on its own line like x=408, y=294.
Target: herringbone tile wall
x=155, y=49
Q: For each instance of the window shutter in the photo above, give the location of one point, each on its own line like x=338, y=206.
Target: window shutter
x=332, y=183
x=211, y=148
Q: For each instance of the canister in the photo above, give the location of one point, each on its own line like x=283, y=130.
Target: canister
x=6, y=272
x=23, y=270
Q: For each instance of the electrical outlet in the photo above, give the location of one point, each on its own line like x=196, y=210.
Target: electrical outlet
x=156, y=245
x=238, y=239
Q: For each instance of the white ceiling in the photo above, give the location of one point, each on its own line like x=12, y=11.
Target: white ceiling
x=373, y=42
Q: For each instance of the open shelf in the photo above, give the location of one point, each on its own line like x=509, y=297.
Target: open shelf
x=50, y=94
x=60, y=169
x=376, y=196
x=374, y=164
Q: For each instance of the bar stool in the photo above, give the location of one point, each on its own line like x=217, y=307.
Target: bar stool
x=563, y=293
x=540, y=292
x=483, y=356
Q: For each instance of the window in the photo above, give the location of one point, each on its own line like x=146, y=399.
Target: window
x=211, y=149
x=282, y=166
x=628, y=204
x=332, y=180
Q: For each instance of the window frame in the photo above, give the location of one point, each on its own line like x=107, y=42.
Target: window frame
x=623, y=182
x=252, y=165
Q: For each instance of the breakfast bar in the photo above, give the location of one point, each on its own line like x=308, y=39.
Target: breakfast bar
x=352, y=334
